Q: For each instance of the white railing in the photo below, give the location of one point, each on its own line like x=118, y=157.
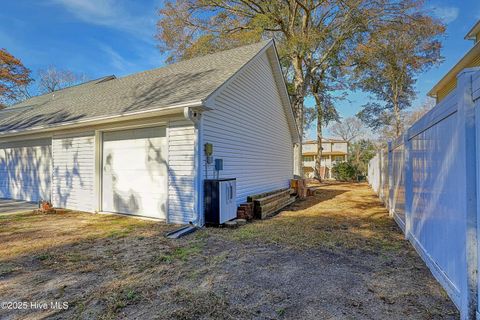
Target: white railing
x=429, y=179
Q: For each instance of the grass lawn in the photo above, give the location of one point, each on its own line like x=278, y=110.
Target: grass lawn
x=335, y=255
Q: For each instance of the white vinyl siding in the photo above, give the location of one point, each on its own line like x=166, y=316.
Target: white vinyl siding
x=181, y=178
x=249, y=130
x=25, y=170
x=73, y=177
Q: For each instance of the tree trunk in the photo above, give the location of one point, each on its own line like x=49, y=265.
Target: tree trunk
x=299, y=119
x=318, y=160
x=298, y=110
x=398, y=121
x=396, y=112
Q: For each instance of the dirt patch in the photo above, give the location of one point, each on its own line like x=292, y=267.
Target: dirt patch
x=334, y=255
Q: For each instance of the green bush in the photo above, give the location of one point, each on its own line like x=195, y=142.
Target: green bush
x=345, y=171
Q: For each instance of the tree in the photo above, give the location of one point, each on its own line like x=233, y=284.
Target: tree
x=388, y=63
x=325, y=81
x=13, y=77
x=311, y=36
x=414, y=115
x=360, y=153
x=408, y=118
x=53, y=79
x=345, y=171
x=348, y=129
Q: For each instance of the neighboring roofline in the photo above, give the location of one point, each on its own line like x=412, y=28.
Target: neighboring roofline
x=163, y=110
x=325, y=140
x=294, y=132
x=459, y=66
x=97, y=80
x=471, y=35
x=326, y=153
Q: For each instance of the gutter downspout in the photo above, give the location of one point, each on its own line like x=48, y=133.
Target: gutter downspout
x=196, y=117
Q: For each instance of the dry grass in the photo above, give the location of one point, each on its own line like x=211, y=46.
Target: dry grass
x=339, y=216
x=336, y=255
x=28, y=233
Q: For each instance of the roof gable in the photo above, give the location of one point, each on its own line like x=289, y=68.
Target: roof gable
x=270, y=50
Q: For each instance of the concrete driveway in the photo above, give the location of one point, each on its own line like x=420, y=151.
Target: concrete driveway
x=8, y=206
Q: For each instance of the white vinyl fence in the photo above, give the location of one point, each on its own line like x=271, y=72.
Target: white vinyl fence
x=429, y=180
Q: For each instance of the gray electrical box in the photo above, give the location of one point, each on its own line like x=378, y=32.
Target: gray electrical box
x=218, y=164
x=220, y=200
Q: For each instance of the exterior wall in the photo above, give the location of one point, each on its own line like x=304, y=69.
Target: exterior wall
x=327, y=147
x=76, y=175
x=249, y=130
x=181, y=167
x=452, y=84
x=340, y=147
x=445, y=91
x=310, y=147
x=73, y=176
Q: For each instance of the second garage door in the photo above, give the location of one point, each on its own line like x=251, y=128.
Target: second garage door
x=135, y=172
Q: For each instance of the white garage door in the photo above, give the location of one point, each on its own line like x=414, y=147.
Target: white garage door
x=25, y=170
x=135, y=178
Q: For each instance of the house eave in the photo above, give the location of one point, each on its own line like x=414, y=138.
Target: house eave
x=472, y=33
x=197, y=105
x=452, y=73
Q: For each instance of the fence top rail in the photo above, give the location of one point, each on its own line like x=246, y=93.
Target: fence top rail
x=444, y=109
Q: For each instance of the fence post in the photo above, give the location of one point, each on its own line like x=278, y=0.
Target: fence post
x=390, y=178
x=380, y=180
x=408, y=183
x=467, y=140
x=476, y=98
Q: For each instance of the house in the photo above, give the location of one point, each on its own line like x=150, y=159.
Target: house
x=333, y=151
x=135, y=144
x=471, y=59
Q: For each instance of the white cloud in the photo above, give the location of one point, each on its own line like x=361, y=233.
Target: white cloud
x=446, y=14
x=116, y=60
x=111, y=13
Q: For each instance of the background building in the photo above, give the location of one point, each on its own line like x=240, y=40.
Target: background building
x=333, y=151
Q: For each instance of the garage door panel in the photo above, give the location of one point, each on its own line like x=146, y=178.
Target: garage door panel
x=25, y=170
x=135, y=175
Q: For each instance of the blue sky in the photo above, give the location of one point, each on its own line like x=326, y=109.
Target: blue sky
x=102, y=37
x=95, y=37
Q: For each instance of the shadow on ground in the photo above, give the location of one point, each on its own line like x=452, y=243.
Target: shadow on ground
x=336, y=255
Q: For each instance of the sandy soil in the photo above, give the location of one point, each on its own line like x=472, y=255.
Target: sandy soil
x=336, y=255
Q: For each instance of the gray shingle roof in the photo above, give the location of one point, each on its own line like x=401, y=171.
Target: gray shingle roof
x=189, y=80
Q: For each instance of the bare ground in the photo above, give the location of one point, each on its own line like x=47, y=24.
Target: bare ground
x=336, y=255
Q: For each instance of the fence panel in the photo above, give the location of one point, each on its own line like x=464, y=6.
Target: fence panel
x=437, y=216
x=384, y=171
x=429, y=180
x=476, y=96
x=374, y=173
x=397, y=190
